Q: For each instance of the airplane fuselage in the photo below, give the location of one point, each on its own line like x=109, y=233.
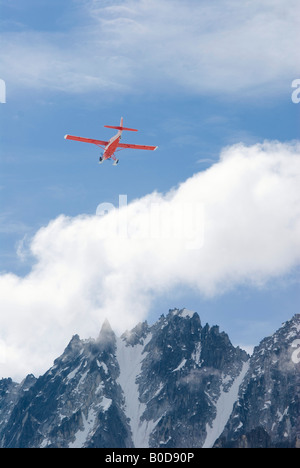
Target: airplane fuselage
x=112, y=146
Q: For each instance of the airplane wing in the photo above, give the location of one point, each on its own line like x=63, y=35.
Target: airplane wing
x=142, y=147
x=86, y=140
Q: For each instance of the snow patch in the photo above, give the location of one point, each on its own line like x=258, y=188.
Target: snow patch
x=72, y=374
x=105, y=403
x=224, y=407
x=197, y=353
x=103, y=365
x=180, y=365
x=185, y=313
x=82, y=434
x=130, y=360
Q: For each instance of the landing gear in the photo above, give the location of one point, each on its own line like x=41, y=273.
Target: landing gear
x=101, y=160
x=115, y=162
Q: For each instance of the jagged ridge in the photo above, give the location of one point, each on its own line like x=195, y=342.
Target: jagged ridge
x=172, y=384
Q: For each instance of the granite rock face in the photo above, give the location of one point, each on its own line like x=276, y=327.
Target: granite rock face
x=173, y=384
x=267, y=412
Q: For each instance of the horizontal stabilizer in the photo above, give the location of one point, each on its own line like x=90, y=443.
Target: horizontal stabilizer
x=121, y=128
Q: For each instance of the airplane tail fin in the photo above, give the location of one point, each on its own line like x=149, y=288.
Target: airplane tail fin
x=121, y=127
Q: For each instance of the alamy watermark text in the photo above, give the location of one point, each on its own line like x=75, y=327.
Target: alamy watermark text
x=2, y=92
x=158, y=221
x=296, y=93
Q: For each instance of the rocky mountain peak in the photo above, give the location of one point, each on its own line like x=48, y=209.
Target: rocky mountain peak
x=137, y=334
x=175, y=383
x=107, y=338
x=267, y=411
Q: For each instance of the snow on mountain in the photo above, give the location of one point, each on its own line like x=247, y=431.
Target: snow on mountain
x=224, y=407
x=267, y=411
x=173, y=384
x=130, y=359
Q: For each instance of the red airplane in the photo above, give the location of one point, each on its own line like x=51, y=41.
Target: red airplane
x=113, y=145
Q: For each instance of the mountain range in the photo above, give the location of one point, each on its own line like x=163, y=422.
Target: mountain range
x=174, y=384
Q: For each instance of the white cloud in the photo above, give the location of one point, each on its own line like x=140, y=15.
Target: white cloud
x=218, y=47
x=91, y=267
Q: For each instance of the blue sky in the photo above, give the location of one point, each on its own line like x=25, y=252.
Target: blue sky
x=194, y=78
